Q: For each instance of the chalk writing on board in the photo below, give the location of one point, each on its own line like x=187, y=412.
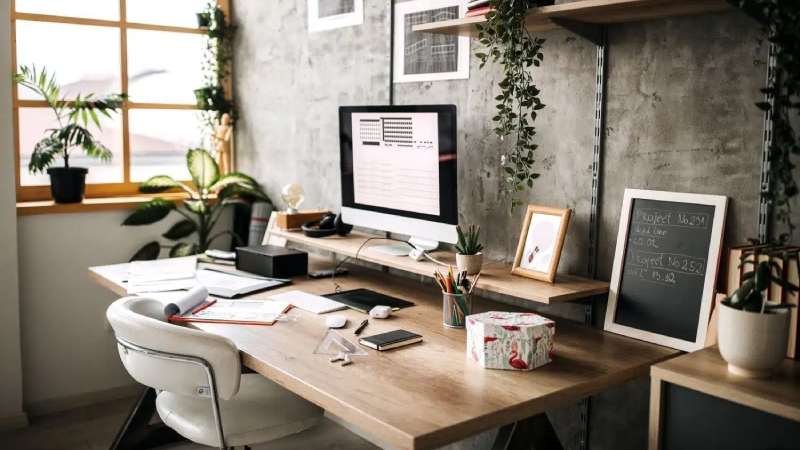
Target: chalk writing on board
x=649, y=216
x=649, y=231
x=665, y=266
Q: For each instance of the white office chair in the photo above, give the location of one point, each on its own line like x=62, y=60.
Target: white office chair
x=202, y=393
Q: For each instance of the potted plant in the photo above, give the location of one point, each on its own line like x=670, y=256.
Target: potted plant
x=753, y=332
x=67, y=183
x=212, y=96
x=203, y=20
x=468, y=250
x=200, y=212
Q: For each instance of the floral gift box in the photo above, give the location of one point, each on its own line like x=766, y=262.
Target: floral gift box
x=510, y=340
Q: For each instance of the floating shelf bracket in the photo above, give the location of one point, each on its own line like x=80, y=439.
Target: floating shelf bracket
x=589, y=31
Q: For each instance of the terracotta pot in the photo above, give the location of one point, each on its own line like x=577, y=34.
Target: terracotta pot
x=753, y=344
x=471, y=263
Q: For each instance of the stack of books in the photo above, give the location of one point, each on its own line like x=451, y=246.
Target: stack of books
x=478, y=8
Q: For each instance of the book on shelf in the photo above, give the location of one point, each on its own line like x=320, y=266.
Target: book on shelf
x=480, y=11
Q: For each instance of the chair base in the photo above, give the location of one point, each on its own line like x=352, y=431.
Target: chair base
x=137, y=433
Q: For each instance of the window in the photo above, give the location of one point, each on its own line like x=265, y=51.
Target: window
x=149, y=49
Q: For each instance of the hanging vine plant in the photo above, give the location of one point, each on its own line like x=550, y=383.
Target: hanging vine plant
x=507, y=41
x=212, y=97
x=780, y=19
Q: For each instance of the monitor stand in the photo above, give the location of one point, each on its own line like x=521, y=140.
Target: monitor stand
x=403, y=249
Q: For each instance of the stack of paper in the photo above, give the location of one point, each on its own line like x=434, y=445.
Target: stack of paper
x=229, y=285
x=161, y=275
x=248, y=312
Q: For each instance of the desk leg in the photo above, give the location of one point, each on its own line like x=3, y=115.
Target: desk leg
x=137, y=433
x=533, y=433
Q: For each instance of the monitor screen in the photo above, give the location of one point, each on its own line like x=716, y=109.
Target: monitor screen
x=400, y=160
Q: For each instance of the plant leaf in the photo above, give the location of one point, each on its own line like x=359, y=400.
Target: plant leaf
x=158, y=183
x=150, y=212
x=231, y=179
x=241, y=191
x=183, y=249
x=202, y=168
x=180, y=230
x=196, y=206
x=150, y=251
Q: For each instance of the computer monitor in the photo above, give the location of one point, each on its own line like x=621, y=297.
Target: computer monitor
x=399, y=171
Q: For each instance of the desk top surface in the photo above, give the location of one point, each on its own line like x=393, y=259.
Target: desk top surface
x=705, y=371
x=429, y=394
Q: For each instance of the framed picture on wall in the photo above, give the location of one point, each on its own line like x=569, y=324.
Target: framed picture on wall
x=428, y=56
x=329, y=14
x=540, y=242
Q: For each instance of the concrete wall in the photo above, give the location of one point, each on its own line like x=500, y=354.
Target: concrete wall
x=680, y=117
x=11, y=414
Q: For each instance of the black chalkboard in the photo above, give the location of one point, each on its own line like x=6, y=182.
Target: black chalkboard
x=664, y=267
x=693, y=420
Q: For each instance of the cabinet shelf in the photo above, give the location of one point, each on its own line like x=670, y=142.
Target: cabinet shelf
x=595, y=12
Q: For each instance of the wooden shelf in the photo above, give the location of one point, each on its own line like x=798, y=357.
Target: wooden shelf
x=496, y=277
x=705, y=371
x=596, y=12
x=90, y=204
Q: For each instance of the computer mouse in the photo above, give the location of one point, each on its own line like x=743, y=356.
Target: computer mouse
x=335, y=321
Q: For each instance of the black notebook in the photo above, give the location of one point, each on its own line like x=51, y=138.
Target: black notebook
x=391, y=339
x=364, y=299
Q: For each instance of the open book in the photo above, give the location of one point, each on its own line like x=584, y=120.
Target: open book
x=195, y=306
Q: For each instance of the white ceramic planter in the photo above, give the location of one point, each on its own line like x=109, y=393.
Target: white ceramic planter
x=471, y=263
x=753, y=344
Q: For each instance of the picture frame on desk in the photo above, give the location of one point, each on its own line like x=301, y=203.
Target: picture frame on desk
x=541, y=240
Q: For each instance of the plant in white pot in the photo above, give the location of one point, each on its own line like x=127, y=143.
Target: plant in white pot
x=468, y=250
x=753, y=332
x=74, y=117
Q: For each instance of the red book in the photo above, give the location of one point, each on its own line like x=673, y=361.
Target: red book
x=479, y=11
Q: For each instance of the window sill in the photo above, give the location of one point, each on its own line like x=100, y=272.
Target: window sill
x=90, y=204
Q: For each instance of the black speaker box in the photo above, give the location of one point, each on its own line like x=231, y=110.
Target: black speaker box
x=272, y=261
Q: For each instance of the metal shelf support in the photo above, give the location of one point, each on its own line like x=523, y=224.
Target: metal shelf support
x=765, y=205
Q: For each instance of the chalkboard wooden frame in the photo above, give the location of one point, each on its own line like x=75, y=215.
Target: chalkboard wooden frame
x=720, y=204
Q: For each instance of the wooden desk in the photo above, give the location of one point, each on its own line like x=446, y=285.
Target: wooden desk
x=429, y=394
x=706, y=373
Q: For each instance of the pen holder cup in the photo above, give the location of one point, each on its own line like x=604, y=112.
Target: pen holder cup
x=455, y=309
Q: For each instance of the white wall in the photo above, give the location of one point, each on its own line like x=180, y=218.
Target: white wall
x=11, y=414
x=68, y=351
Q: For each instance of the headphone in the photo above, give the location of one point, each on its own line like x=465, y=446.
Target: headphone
x=329, y=225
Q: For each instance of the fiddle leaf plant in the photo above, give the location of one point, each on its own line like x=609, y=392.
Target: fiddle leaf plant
x=73, y=116
x=507, y=41
x=208, y=197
